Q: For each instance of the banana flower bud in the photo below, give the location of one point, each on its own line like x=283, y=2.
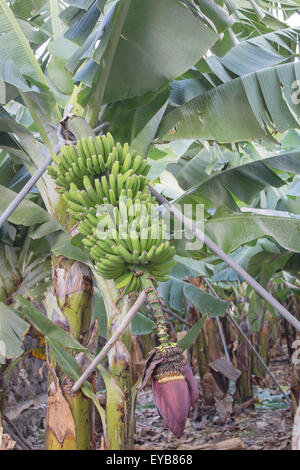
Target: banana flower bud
x=174, y=387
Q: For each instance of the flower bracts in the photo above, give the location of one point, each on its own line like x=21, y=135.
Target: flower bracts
x=174, y=388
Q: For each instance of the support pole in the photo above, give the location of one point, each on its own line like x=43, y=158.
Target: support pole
x=130, y=315
x=188, y=223
x=24, y=191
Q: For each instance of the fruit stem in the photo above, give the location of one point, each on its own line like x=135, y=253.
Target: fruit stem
x=154, y=301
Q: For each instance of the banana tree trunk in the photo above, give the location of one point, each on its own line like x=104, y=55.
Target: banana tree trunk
x=295, y=379
x=1, y=394
x=119, y=389
x=71, y=308
x=263, y=343
x=244, y=390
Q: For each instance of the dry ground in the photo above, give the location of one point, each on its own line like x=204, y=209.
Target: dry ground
x=257, y=429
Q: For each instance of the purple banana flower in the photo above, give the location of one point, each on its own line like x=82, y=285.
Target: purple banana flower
x=174, y=388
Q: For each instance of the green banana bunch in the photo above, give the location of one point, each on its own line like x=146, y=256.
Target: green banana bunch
x=128, y=241
x=105, y=186
x=94, y=157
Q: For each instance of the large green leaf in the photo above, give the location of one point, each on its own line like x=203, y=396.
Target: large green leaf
x=190, y=267
x=240, y=109
x=136, y=120
x=264, y=265
x=159, y=41
x=52, y=331
x=251, y=55
x=243, y=181
x=12, y=330
x=230, y=230
x=141, y=325
x=16, y=45
x=192, y=334
x=27, y=213
x=62, y=245
x=173, y=291
x=217, y=15
x=81, y=29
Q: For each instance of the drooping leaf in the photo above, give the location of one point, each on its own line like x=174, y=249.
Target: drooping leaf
x=244, y=181
x=230, y=230
x=12, y=331
x=253, y=102
x=173, y=291
x=264, y=265
x=45, y=228
x=81, y=29
x=27, y=213
x=62, y=245
x=252, y=55
x=141, y=325
x=136, y=120
x=159, y=42
x=16, y=45
x=48, y=328
x=100, y=313
x=190, y=337
x=190, y=267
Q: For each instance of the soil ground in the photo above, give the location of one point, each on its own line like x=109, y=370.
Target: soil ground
x=257, y=429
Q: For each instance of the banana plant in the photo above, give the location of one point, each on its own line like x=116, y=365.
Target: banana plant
x=40, y=104
x=60, y=85
x=22, y=273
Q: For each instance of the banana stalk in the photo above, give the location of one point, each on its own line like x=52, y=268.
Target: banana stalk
x=162, y=329
x=73, y=291
x=119, y=403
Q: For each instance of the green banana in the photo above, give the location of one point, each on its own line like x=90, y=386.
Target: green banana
x=90, y=190
x=124, y=280
x=91, y=145
x=125, y=254
x=98, y=171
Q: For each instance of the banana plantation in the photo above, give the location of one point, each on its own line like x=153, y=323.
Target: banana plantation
x=149, y=225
